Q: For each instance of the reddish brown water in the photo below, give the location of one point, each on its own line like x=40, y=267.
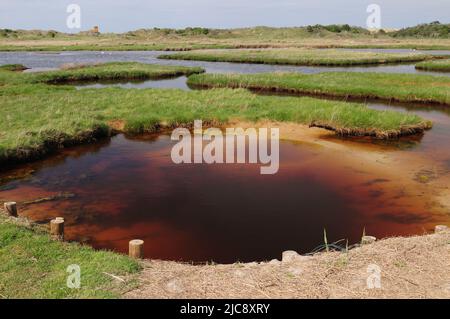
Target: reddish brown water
x=129, y=188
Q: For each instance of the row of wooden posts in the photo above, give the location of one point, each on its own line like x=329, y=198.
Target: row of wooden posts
x=135, y=246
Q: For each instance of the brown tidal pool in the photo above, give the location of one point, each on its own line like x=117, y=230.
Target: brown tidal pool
x=126, y=188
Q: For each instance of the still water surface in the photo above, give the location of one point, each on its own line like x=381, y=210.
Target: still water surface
x=52, y=60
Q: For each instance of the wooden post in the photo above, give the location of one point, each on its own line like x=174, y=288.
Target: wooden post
x=136, y=248
x=57, y=228
x=11, y=208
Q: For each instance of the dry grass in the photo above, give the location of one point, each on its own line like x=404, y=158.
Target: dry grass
x=275, y=38
x=414, y=267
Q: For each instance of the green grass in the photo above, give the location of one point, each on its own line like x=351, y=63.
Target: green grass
x=396, y=87
x=33, y=266
x=112, y=71
x=39, y=117
x=436, y=65
x=297, y=57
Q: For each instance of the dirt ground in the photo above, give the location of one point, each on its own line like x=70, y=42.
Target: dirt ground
x=413, y=267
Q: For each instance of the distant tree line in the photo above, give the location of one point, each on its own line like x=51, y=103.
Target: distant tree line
x=167, y=31
x=8, y=33
x=335, y=28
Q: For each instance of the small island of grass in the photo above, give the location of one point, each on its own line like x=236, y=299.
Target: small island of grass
x=113, y=71
x=435, y=65
x=295, y=56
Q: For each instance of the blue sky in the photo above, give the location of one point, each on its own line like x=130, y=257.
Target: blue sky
x=125, y=15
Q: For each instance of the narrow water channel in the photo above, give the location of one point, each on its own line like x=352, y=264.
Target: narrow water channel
x=52, y=60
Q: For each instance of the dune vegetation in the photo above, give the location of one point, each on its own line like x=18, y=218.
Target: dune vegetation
x=297, y=57
x=385, y=86
x=428, y=37
x=426, y=30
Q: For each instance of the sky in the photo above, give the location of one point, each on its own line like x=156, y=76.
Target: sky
x=127, y=15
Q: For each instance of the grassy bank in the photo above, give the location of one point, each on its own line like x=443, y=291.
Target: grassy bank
x=394, y=87
x=33, y=266
x=297, y=57
x=436, y=65
x=40, y=118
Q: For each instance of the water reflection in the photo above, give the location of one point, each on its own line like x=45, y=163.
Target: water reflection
x=173, y=83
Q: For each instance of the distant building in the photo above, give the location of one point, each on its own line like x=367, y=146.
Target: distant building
x=95, y=30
